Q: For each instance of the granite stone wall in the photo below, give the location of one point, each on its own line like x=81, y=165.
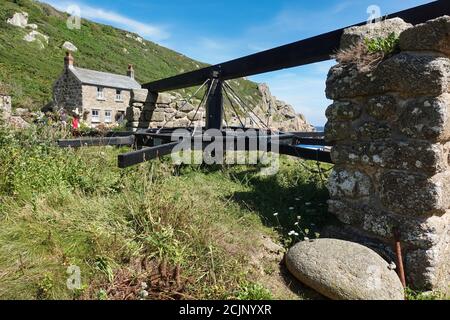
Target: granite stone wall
x=147, y=110
x=390, y=126
x=171, y=110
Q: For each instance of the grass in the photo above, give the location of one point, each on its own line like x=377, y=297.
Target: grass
x=195, y=228
x=368, y=54
x=28, y=72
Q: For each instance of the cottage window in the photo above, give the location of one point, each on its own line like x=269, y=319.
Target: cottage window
x=119, y=95
x=95, y=115
x=108, y=116
x=100, y=93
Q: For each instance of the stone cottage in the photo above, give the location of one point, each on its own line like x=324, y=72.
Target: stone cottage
x=98, y=97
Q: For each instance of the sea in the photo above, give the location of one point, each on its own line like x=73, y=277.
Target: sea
x=318, y=129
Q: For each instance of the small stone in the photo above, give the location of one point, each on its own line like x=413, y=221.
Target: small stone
x=420, y=195
x=426, y=118
x=349, y=184
x=185, y=107
x=181, y=123
x=195, y=116
x=180, y=115
x=393, y=154
x=339, y=131
x=343, y=111
x=164, y=98
x=69, y=46
x=139, y=95
x=382, y=107
x=362, y=273
x=158, y=117
x=429, y=268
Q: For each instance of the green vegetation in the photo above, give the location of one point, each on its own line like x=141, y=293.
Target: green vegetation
x=367, y=55
x=387, y=46
x=414, y=295
x=28, y=72
x=197, y=228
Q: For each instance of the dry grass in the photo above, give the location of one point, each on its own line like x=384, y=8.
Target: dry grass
x=359, y=56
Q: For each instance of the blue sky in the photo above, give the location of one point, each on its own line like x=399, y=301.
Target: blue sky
x=214, y=31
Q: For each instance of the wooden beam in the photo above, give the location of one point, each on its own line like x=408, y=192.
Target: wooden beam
x=315, y=49
x=312, y=141
x=304, y=153
x=133, y=158
x=214, y=106
x=97, y=142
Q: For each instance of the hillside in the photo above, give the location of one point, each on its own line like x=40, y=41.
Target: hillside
x=28, y=70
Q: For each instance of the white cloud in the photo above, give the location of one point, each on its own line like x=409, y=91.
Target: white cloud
x=152, y=32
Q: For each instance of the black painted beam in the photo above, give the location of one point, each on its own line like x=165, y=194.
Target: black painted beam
x=304, y=153
x=214, y=106
x=315, y=49
x=97, y=142
x=312, y=141
x=133, y=158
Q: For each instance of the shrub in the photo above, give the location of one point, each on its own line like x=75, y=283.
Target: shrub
x=386, y=46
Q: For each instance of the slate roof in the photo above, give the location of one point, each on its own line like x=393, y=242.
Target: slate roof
x=105, y=79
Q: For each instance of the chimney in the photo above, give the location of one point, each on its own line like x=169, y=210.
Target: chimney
x=68, y=60
x=130, y=72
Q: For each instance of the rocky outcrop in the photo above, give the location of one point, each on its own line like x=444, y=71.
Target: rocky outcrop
x=282, y=116
x=390, y=128
x=40, y=38
x=20, y=19
x=342, y=270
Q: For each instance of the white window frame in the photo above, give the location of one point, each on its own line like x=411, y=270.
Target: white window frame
x=108, y=119
x=119, y=96
x=95, y=118
x=101, y=93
